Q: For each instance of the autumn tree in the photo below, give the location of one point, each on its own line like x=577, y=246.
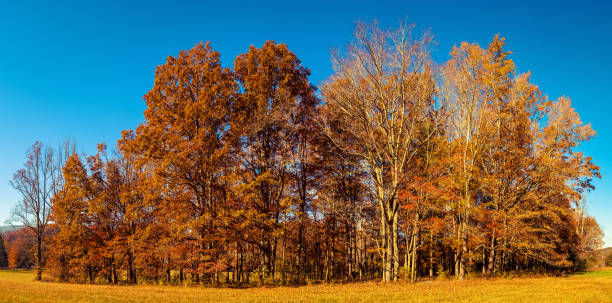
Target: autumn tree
x=244, y=174
x=305, y=171
x=37, y=184
x=608, y=260
x=565, y=175
x=345, y=205
x=591, y=235
x=3, y=254
x=421, y=194
x=475, y=87
x=19, y=244
x=105, y=217
x=382, y=91
x=86, y=224
x=185, y=139
x=272, y=120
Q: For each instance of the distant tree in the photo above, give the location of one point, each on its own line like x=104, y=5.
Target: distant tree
x=37, y=183
x=591, y=235
x=19, y=246
x=609, y=260
x=3, y=253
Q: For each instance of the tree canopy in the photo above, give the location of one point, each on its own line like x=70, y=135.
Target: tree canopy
x=399, y=168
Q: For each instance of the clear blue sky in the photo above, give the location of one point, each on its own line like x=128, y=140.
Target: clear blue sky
x=79, y=70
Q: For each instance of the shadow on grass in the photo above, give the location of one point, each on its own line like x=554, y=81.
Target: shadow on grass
x=17, y=270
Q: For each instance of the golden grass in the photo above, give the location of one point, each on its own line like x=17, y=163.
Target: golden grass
x=18, y=286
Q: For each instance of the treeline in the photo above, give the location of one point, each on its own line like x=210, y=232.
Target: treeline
x=399, y=168
x=17, y=248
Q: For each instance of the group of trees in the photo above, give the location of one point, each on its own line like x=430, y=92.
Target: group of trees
x=16, y=249
x=399, y=168
x=3, y=253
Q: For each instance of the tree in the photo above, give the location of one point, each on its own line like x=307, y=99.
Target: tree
x=81, y=238
x=345, y=205
x=469, y=95
x=270, y=115
x=37, y=183
x=105, y=215
x=381, y=93
x=591, y=236
x=186, y=141
x=609, y=260
x=19, y=245
x=3, y=253
x=305, y=170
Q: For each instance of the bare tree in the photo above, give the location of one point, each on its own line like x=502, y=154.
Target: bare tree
x=380, y=97
x=37, y=183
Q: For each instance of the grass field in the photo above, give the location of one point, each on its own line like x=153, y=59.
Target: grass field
x=18, y=286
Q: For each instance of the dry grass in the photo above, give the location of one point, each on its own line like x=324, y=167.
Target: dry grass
x=17, y=286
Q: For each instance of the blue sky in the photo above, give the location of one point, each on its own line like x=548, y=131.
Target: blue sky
x=79, y=70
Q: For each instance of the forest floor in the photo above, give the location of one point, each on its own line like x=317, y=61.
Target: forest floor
x=595, y=286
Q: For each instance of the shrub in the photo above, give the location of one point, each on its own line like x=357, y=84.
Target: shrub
x=609, y=260
x=404, y=273
x=442, y=275
x=580, y=265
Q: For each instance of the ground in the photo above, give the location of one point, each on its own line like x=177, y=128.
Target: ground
x=18, y=286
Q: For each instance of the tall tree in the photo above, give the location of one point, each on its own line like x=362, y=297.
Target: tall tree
x=37, y=183
x=186, y=140
x=473, y=82
x=272, y=113
x=381, y=92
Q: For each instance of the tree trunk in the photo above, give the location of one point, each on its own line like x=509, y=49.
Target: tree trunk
x=483, y=260
x=131, y=273
x=464, y=249
x=414, y=252
x=395, y=234
x=491, y=265
x=91, y=274
x=457, y=264
x=384, y=236
x=431, y=254
x=327, y=266
x=283, y=259
x=414, y=241
x=390, y=257
x=39, y=256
